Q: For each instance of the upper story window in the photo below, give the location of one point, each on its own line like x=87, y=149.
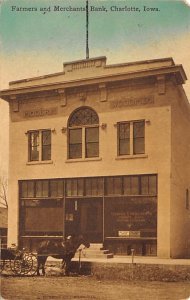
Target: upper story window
x=83, y=134
x=39, y=144
x=131, y=137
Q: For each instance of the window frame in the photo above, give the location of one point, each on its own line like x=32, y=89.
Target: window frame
x=122, y=139
x=40, y=145
x=84, y=128
x=136, y=138
x=45, y=147
x=31, y=146
x=131, y=138
x=84, y=186
x=69, y=144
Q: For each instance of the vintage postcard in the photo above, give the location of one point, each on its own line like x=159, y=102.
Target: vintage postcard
x=95, y=149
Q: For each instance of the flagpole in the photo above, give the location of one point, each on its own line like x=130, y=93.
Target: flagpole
x=87, y=23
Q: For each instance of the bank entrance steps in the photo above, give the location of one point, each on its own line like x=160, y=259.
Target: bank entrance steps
x=95, y=251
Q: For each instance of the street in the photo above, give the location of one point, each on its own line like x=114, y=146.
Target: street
x=88, y=287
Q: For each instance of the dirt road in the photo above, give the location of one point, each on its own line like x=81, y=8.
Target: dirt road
x=87, y=287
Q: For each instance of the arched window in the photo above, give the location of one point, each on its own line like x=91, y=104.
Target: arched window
x=83, y=133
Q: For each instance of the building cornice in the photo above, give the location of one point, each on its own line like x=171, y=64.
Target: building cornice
x=176, y=70
x=111, y=66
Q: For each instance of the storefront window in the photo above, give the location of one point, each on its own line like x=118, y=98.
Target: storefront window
x=57, y=188
x=130, y=204
x=140, y=185
x=93, y=186
x=113, y=186
x=125, y=216
x=131, y=185
x=42, y=188
x=75, y=187
x=152, y=184
x=42, y=217
x=145, y=185
x=27, y=189
x=135, y=185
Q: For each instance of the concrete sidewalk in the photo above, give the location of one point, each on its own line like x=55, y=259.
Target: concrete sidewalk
x=136, y=259
x=122, y=268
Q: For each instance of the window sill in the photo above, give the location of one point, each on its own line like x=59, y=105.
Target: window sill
x=131, y=156
x=41, y=236
x=44, y=162
x=71, y=160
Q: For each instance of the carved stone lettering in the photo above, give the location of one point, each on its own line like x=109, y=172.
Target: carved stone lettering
x=40, y=112
x=124, y=102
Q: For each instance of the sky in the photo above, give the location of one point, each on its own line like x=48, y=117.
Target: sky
x=35, y=43
x=38, y=42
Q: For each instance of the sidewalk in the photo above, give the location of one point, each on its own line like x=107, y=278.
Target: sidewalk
x=136, y=259
x=122, y=268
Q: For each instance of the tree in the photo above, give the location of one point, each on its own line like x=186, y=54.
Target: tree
x=3, y=191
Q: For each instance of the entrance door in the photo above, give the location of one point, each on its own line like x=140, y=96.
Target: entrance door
x=85, y=216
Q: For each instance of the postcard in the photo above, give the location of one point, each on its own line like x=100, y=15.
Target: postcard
x=94, y=149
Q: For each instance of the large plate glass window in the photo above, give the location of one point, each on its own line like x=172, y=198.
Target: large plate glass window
x=41, y=207
x=131, y=204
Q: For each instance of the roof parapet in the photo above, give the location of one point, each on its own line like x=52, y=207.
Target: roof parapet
x=95, y=71
x=97, y=62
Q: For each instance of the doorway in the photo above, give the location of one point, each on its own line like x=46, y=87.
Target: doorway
x=85, y=216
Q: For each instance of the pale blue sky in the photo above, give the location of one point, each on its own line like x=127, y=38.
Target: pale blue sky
x=33, y=43
x=26, y=31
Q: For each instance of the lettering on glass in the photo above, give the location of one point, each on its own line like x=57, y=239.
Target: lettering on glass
x=129, y=233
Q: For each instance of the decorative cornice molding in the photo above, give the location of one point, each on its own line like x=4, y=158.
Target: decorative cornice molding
x=48, y=88
x=15, y=103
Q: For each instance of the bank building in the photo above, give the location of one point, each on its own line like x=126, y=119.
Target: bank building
x=103, y=150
